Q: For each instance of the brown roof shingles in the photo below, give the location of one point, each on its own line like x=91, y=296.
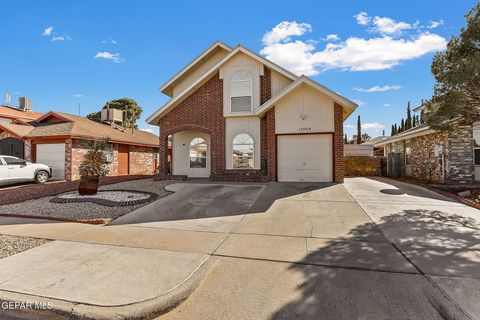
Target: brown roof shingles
x=80, y=127
x=11, y=113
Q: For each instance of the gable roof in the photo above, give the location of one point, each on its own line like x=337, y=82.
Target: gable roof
x=212, y=71
x=14, y=113
x=166, y=87
x=79, y=127
x=17, y=130
x=349, y=106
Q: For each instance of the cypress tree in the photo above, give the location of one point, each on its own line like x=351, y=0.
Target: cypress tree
x=422, y=116
x=402, y=126
x=383, y=133
x=345, y=140
x=392, y=132
x=408, y=122
x=359, y=131
x=396, y=129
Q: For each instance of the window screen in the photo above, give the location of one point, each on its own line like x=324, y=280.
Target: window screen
x=241, y=91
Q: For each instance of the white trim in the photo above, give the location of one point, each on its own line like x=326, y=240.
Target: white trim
x=413, y=134
x=205, y=76
x=253, y=155
x=202, y=55
x=303, y=79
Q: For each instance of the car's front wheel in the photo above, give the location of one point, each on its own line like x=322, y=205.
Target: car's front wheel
x=41, y=176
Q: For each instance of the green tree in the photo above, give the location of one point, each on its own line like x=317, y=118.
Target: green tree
x=359, y=131
x=366, y=136
x=408, y=121
x=422, y=116
x=457, y=78
x=402, y=126
x=383, y=133
x=345, y=140
x=396, y=129
x=132, y=111
x=392, y=131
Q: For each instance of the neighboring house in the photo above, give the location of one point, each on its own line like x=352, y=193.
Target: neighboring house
x=55, y=139
x=236, y=116
x=378, y=151
x=8, y=114
x=425, y=154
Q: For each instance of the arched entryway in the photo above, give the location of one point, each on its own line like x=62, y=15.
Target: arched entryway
x=191, y=154
x=12, y=147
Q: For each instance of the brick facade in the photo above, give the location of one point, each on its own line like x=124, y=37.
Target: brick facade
x=338, y=158
x=203, y=111
x=141, y=160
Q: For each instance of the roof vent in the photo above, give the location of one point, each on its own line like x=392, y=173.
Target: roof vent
x=25, y=103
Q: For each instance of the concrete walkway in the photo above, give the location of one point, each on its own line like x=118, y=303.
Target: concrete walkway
x=368, y=249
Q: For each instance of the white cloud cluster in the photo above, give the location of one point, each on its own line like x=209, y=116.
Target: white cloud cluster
x=331, y=37
x=435, y=24
x=50, y=31
x=375, y=126
x=362, y=18
x=147, y=130
x=47, y=32
x=284, y=30
x=115, y=57
x=77, y=95
x=378, y=88
x=359, y=102
x=110, y=40
x=354, y=54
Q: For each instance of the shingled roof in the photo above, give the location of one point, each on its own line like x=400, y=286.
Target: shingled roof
x=79, y=127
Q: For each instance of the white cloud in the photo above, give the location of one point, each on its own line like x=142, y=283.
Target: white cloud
x=115, y=57
x=354, y=54
x=77, y=95
x=362, y=18
x=373, y=126
x=435, y=24
x=60, y=38
x=378, y=88
x=47, y=32
x=284, y=30
x=388, y=26
x=331, y=37
x=387, y=105
x=348, y=126
x=359, y=102
x=110, y=40
x=147, y=130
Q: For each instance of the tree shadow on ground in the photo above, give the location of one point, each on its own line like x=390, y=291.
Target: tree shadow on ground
x=437, y=242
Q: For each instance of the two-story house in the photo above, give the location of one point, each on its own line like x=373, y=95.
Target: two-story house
x=236, y=116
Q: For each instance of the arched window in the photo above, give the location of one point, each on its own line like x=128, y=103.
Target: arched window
x=198, y=153
x=241, y=91
x=243, y=152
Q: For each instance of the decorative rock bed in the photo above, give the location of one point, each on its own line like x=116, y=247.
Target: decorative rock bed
x=110, y=198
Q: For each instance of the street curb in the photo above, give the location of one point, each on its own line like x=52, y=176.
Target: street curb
x=147, y=309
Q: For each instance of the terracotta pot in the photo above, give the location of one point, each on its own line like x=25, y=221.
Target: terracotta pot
x=88, y=186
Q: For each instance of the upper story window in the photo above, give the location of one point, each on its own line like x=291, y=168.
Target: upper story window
x=198, y=153
x=241, y=91
x=242, y=152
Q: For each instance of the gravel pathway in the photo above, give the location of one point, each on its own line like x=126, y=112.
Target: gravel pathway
x=42, y=207
x=10, y=245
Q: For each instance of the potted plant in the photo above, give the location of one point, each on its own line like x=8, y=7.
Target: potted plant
x=93, y=165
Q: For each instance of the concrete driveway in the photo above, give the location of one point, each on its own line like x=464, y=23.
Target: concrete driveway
x=367, y=249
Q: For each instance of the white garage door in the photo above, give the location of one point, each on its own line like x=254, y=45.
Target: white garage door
x=53, y=155
x=305, y=158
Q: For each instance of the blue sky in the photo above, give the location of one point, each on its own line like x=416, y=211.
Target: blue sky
x=139, y=45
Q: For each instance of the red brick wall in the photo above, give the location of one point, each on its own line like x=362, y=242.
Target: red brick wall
x=338, y=157
x=203, y=111
x=75, y=151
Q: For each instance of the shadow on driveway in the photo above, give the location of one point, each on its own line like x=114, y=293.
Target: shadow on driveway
x=333, y=293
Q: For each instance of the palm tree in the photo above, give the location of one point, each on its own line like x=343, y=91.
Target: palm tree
x=93, y=165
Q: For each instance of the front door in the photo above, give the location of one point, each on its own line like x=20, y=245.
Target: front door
x=123, y=159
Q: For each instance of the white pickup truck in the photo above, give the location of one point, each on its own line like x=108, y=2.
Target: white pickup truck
x=14, y=170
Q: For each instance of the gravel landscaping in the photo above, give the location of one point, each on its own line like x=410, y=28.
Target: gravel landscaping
x=10, y=245
x=42, y=207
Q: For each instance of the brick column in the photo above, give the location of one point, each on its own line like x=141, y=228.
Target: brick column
x=271, y=146
x=163, y=154
x=338, y=156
